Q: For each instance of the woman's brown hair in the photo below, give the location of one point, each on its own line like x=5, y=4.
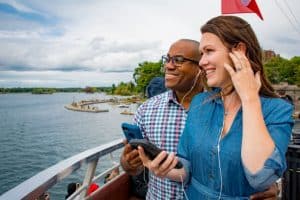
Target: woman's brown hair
x=233, y=30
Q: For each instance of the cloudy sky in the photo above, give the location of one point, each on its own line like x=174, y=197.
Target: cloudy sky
x=75, y=43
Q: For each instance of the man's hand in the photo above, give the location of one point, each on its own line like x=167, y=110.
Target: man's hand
x=130, y=160
x=270, y=194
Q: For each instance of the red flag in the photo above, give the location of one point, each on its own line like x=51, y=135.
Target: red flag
x=240, y=6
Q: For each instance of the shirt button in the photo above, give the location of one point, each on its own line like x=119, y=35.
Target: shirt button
x=210, y=176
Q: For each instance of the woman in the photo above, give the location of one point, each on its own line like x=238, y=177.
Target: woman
x=236, y=135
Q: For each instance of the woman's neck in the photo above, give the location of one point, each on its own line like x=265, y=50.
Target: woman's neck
x=231, y=103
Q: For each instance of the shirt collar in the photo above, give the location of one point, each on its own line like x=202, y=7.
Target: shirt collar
x=214, y=95
x=172, y=97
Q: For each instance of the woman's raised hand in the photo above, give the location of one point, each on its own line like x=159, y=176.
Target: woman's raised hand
x=246, y=83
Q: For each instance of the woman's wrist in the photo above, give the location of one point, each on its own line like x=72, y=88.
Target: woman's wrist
x=250, y=100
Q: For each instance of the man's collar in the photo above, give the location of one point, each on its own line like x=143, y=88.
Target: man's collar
x=172, y=97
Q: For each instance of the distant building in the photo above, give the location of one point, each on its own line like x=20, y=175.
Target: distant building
x=268, y=54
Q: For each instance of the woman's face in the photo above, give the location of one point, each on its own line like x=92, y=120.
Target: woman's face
x=214, y=55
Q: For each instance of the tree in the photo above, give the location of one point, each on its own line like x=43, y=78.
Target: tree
x=274, y=70
x=125, y=89
x=295, y=61
x=88, y=89
x=144, y=73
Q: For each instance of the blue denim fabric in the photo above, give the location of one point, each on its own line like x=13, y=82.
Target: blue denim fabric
x=199, y=146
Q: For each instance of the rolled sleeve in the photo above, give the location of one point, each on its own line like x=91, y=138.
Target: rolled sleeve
x=279, y=122
x=271, y=171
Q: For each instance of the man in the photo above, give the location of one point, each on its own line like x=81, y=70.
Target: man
x=162, y=118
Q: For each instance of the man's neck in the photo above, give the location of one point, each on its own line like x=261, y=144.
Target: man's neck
x=185, y=101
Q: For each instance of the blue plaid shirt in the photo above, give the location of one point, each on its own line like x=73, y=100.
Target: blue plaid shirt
x=161, y=120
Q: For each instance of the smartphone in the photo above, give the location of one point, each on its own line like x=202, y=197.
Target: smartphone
x=131, y=131
x=150, y=149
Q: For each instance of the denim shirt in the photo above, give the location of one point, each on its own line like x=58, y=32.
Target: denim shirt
x=198, y=149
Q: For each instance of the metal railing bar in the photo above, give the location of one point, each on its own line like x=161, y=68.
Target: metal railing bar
x=36, y=185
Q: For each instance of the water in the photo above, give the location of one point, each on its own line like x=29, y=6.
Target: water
x=36, y=131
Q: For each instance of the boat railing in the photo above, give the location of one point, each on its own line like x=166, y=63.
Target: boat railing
x=35, y=186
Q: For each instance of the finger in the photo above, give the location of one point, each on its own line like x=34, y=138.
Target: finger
x=125, y=141
x=257, y=78
x=236, y=61
x=241, y=58
x=135, y=161
x=167, y=163
x=263, y=198
x=136, y=164
x=132, y=154
x=145, y=160
x=174, y=162
x=132, y=157
x=159, y=159
x=127, y=149
x=259, y=195
x=170, y=166
x=229, y=69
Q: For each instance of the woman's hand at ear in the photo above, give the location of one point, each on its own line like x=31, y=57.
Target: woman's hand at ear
x=246, y=83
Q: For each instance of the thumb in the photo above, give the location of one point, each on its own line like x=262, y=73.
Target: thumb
x=257, y=78
x=229, y=69
x=127, y=149
x=125, y=141
x=143, y=156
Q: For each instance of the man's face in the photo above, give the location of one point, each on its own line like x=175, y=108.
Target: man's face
x=181, y=78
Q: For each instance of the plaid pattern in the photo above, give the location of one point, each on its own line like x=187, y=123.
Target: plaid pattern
x=161, y=120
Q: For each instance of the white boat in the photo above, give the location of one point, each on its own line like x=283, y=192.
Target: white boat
x=85, y=109
x=123, y=106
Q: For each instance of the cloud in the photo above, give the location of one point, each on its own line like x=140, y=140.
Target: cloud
x=60, y=79
x=111, y=37
x=25, y=13
x=28, y=54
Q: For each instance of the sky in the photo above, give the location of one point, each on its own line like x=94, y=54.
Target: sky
x=76, y=43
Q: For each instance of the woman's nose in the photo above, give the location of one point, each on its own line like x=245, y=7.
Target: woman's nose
x=203, y=61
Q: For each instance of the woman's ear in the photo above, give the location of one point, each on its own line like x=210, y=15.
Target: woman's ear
x=240, y=47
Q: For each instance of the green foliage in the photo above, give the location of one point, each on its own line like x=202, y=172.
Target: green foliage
x=43, y=91
x=142, y=76
x=89, y=89
x=279, y=70
x=296, y=62
x=144, y=73
x=124, y=89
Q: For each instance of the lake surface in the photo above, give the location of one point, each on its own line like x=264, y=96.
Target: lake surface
x=36, y=132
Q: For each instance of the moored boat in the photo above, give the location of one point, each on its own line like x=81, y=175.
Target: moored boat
x=85, y=109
